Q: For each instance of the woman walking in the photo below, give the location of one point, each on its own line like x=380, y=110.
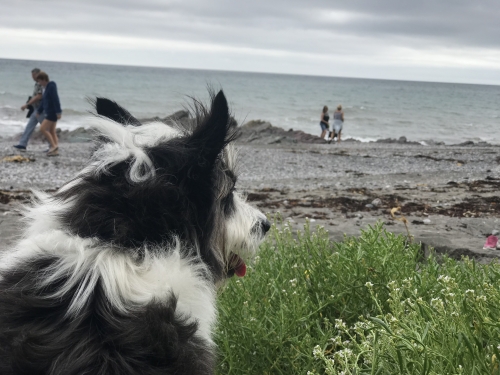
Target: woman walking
x=338, y=122
x=52, y=108
x=325, y=117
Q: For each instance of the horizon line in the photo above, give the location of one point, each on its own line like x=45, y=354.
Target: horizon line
x=253, y=72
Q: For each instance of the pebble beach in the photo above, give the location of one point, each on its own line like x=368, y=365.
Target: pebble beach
x=448, y=194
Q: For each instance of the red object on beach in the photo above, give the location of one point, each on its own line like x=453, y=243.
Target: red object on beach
x=491, y=243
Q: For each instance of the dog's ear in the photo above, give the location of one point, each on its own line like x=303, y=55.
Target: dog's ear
x=214, y=133
x=113, y=111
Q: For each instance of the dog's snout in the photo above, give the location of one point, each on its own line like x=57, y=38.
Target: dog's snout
x=265, y=225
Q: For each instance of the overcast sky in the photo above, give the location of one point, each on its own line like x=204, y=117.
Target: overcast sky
x=430, y=40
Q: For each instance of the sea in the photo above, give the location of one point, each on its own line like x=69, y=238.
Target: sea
x=374, y=109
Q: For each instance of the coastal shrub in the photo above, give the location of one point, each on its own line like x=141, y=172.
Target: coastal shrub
x=367, y=305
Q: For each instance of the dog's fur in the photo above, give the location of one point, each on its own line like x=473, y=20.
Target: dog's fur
x=116, y=273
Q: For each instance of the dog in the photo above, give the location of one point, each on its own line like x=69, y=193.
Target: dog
x=117, y=272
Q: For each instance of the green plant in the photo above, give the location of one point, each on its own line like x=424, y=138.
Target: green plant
x=368, y=305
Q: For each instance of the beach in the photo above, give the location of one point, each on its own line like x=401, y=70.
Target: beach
x=374, y=109
x=447, y=193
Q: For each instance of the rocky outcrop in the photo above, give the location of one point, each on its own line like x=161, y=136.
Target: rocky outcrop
x=400, y=140
x=262, y=132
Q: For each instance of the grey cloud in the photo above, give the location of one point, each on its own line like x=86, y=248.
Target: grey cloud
x=459, y=21
x=291, y=25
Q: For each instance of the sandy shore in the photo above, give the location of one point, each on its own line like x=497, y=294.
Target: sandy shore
x=449, y=194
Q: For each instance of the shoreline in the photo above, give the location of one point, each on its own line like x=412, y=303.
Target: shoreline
x=448, y=193
x=253, y=131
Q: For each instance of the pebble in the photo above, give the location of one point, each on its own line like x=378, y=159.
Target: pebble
x=293, y=167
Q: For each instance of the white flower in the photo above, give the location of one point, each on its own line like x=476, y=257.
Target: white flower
x=336, y=340
x=317, y=352
x=339, y=324
x=437, y=302
x=369, y=284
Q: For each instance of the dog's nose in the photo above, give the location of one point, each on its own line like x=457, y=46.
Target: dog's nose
x=265, y=225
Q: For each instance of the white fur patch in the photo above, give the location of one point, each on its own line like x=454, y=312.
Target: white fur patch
x=43, y=215
x=127, y=282
x=241, y=238
x=128, y=142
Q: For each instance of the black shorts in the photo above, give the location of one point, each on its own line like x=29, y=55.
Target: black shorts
x=51, y=117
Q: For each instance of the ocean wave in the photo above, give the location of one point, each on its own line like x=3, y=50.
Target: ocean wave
x=7, y=106
x=11, y=122
x=363, y=139
x=75, y=112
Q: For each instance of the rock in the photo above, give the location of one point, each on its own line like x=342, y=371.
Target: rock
x=275, y=140
x=431, y=142
x=467, y=143
x=369, y=205
x=262, y=132
x=377, y=202
x=76, y=136
x=401, y=140
x=495, y=232
x=179, y=115
x=426, y=221
x=257, y=126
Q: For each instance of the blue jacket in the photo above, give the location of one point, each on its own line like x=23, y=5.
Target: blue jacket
x=50, y=100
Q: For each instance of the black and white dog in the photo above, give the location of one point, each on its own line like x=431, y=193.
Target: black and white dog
x=117, y=272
